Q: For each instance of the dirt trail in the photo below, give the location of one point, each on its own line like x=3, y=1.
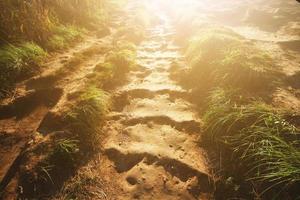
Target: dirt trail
x=151, y=144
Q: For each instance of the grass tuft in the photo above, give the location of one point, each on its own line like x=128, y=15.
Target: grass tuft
x=18, y=62
x=65, y=151
x=85, y=119
x=118, y=62
x=63, y=36
x=122, y=60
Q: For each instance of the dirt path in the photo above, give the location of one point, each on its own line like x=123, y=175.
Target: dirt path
x=151, y=144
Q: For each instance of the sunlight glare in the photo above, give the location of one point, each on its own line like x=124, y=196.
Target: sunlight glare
x=175, y=6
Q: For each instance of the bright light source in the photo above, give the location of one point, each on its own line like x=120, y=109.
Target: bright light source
x=175, y=5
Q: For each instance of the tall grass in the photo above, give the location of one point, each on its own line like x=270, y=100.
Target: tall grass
x=23, y=20
x=270, y=157
x=32, y=20
x=267, y=146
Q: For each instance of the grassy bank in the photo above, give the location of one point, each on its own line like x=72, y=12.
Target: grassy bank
x=30, y=29
x=255, y=145
x=219, y=57
x=54, y=158
x=34, y=21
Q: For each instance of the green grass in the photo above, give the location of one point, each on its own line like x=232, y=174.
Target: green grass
x=63, y=36
x=17, y=62
x=265, y=144
x=267, y=153
x=23, y=60
x=86, y=117
x=65, y=151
